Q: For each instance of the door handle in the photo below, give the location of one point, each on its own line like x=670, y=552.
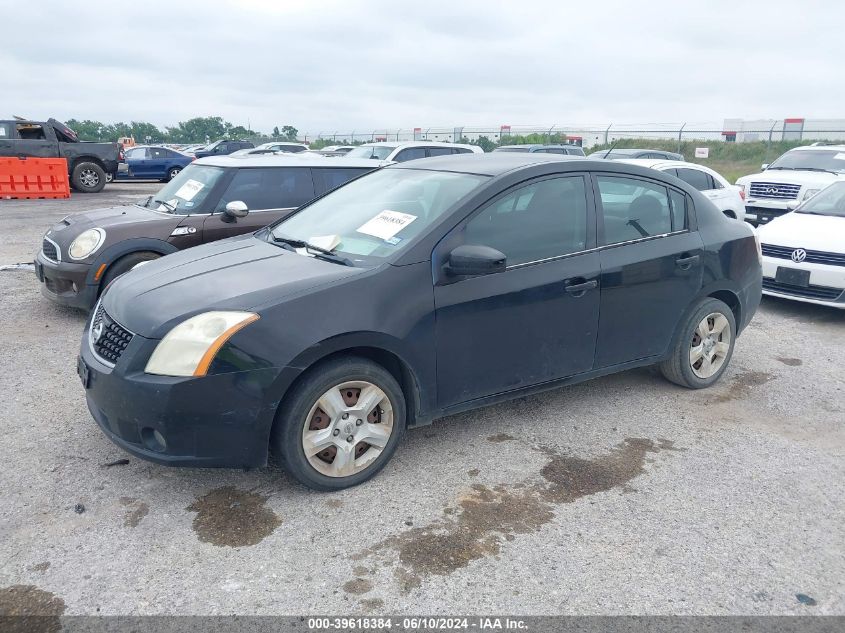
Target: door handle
x=580, y=289
x=686, y=262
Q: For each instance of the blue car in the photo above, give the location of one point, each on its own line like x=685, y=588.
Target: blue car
x=152, y=163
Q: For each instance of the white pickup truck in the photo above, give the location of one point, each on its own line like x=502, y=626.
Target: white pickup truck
x=797, y=175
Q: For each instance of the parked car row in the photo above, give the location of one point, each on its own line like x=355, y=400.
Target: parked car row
x=291, y=327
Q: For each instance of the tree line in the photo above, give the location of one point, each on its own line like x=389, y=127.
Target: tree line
x=196, y=130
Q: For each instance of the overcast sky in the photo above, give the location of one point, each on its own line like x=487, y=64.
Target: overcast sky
x=358, y=65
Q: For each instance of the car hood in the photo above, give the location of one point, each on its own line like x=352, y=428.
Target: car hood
x=803, y=230
x=809, y=179
x=65, y=230
x=240, y=273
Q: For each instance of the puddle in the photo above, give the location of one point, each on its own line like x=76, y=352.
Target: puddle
x=500, y=437
x=228, y=517
x=34, y=610
x=792, y=362
x=743, y=383
x=134, y=516
x=372, y=604
x=358, y=586
x=40, y=567
x=483, y=518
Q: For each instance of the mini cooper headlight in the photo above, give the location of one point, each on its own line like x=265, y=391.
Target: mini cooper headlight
x=86, y=243
x=189, y=348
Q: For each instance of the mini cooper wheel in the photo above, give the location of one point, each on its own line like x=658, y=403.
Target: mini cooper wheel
x=703, y=346
x=340, y=425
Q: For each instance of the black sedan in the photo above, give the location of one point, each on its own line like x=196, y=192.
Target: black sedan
x=416, y=291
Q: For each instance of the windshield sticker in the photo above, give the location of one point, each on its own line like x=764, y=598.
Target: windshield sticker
x=189, y=190
x=839, y=156
x=386, y=224
x=327, y=242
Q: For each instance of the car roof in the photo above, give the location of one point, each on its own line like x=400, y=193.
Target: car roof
x=403, y=144
x=287, y=160
x=836, y=148
x=661, y=164
x=492, y=164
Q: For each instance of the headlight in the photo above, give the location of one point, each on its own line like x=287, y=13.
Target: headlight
x=189, y=348
x=809, y=193
x=86, y=243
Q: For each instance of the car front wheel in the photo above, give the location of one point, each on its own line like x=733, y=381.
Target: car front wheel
x=703, y=346
x=340, y=425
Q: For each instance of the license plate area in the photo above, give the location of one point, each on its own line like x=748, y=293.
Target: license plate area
x=792, y=276
x=84, y=372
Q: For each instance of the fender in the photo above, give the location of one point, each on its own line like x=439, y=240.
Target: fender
x=422, y=412
x=116, y=251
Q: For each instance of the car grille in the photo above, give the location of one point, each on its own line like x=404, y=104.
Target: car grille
x=822, y=293
x=112, y=341
x=50, y=251
x=813, y=257
x=774, y=190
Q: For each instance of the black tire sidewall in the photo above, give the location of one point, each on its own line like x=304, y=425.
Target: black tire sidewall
x=125, y=264
x=286, y=442
x=78, y=168
x=682, y=346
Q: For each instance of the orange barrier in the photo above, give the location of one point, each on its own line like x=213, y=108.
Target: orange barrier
x=34, y=178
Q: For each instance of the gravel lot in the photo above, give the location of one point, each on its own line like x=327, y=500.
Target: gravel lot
x=622, y=495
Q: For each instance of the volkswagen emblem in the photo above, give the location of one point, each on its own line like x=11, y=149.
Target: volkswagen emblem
x=799, y=255
x=772, y=191
x=97, y=331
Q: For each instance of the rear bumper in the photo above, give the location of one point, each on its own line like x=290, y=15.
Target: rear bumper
x=66, y=283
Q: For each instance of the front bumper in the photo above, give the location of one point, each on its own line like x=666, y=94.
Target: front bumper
x=826, y=283
x=222, y=420
x=764, y=211
x=66, y=283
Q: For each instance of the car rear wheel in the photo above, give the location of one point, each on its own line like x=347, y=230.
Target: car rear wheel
x=174, y=171
x=88, y=178
x=703, y=346
x=340, y=425
x=125, y=264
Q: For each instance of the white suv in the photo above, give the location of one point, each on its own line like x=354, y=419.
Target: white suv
x=400, y=152
x=793, y=178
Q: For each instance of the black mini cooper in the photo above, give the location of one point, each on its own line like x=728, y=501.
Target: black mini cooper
x=413, y=292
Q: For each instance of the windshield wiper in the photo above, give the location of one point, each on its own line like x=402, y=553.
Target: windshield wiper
x=830, y=171
x=319, y=251
x=167, y=205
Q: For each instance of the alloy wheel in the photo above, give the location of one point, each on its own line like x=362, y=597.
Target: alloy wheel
x=710, y=345
x=89, y=178
x=347, y=428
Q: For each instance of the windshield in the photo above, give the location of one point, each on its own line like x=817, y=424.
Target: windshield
x=829, y=201
x=187, y=191
x=378, y=214
x=828, y=160
x=370, y=151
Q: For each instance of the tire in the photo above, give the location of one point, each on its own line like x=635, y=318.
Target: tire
x=88, y=177
x=125, y=264
x=333, y=385
x=172, y=172
x=680, y=367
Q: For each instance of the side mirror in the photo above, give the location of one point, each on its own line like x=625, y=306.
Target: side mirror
x=472, y=259
x=764, y=166
x=236, y=209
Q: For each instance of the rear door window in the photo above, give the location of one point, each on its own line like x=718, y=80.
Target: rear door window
x=633, y=209
x=697, y=178
x=439, y=151
x=411, y=153
x=5, y=131
x=328, y=179
x=269, y=188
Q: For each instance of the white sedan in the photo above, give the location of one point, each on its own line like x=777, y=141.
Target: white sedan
x=724, y=195
x=804, y=251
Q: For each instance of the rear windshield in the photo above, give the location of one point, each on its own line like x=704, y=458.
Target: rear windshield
x=371, y=151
